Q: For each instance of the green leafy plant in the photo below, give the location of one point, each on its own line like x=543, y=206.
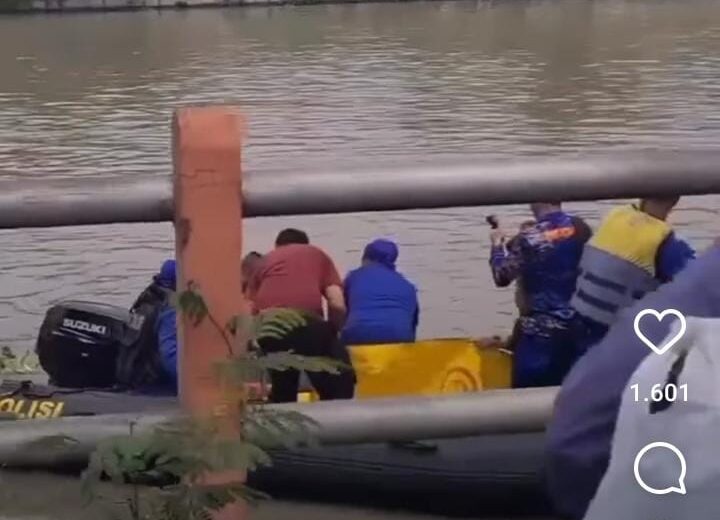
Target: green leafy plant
x=177, y=456
x=11, y=364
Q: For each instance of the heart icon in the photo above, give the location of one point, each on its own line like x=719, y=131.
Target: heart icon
x=660, y=315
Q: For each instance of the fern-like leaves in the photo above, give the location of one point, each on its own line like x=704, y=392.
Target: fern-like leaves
x=179, y=454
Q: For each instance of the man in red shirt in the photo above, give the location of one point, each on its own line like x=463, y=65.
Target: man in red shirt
x=297, y=275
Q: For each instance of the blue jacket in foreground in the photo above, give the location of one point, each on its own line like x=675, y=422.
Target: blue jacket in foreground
x=581, y=430
x=382, y=306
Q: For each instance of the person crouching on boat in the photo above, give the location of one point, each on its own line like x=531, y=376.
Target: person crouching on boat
x=297, y=275
x=545, y=257
x=149, y=364
x=382, y=303
x=633, y=252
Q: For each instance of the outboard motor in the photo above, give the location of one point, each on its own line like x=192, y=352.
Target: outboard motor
x=79, y=343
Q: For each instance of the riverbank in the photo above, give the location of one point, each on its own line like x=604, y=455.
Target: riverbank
x=80, y=6
x=40, y=496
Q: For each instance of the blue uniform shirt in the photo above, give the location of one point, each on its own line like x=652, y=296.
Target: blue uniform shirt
x=382, y=306
x=545, y=256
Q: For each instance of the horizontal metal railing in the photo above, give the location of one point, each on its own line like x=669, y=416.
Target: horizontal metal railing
x=581, y=177
x=100, y=201
x=339, y=422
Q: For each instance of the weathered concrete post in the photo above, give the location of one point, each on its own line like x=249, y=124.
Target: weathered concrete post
x=208, y=240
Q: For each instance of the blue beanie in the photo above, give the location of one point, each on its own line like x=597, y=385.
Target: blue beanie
x=382, y=251
x=167, y=277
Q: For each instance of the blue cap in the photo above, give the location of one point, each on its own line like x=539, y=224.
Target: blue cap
x=382, y=251
x=167, y=277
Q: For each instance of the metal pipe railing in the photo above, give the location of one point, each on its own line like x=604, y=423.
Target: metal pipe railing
x=340, y=422
x=75, y=202
x=591, y=177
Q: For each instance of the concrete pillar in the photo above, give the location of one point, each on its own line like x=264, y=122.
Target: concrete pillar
x=208, y=240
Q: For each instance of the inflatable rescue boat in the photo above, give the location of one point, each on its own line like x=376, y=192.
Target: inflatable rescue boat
x=493, y=474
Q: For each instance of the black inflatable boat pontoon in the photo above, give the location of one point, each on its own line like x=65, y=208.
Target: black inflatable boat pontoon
x=492, y=474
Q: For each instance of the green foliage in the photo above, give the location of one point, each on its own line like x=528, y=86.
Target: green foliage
x=175, y=456
x=178, y=455
x=197, y=502
x=271, y=323
x=239, y=370
x=276, y=323
x=10, y=363
x=270, y=429
x=290, y=361
x=186, y=443
x=192, y=304
x=268, y=324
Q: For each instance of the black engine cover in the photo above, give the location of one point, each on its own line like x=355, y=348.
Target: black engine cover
x=79, y=342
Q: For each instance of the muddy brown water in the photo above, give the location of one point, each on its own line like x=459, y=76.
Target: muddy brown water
x=333, y=86
x=91, y=95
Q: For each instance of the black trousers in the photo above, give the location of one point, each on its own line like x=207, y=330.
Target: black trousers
x=316, y=338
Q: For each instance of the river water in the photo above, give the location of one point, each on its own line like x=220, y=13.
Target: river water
x=340, y=86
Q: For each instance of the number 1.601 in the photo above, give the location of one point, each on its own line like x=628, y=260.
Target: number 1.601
x=662, y=392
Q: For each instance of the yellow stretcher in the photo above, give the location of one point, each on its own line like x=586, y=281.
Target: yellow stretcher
x=430, y=367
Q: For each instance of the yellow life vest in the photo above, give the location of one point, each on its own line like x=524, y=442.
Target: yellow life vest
x=632, y=235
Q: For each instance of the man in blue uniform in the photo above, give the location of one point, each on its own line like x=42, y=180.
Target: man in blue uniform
x=544, y=258
x=382, y=303
x=150, y=364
